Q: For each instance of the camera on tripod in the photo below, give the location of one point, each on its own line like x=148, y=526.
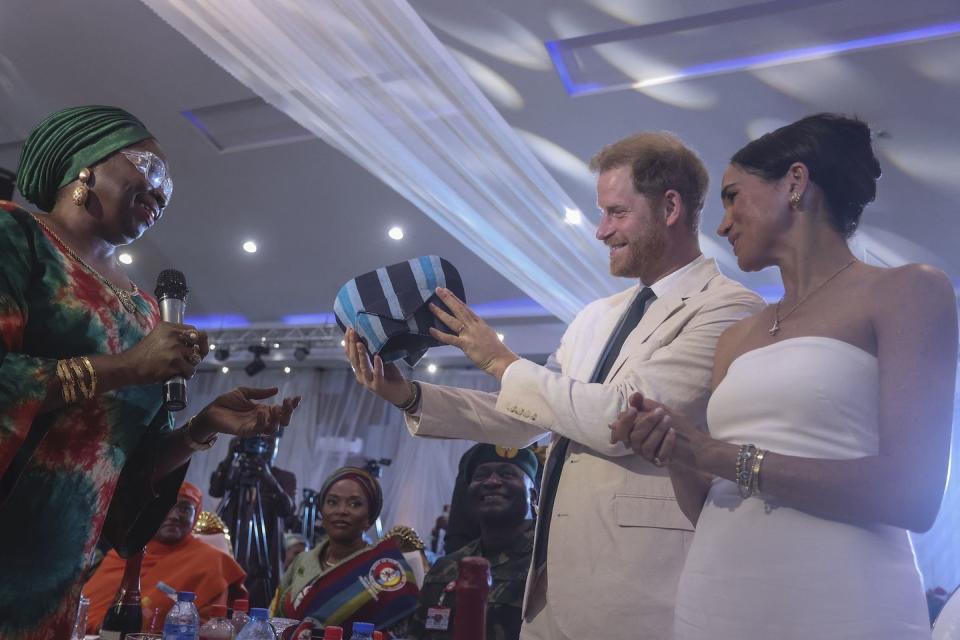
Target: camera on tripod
x=254, y=446
x=374, y=466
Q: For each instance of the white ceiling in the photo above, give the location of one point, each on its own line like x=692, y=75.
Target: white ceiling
x=320, y=219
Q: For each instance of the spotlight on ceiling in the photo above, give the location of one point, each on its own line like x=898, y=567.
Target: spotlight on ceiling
x=257, y=365
x=301, y=353
x=221, y=353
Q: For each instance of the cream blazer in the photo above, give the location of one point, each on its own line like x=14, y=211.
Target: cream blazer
x=618, y=539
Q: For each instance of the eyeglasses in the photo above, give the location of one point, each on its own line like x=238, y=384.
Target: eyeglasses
x=154, y=170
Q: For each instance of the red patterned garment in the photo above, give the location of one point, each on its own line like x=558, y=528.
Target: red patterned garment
x=68, y=475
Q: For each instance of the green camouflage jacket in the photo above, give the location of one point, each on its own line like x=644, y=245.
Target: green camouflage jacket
x=504, y=604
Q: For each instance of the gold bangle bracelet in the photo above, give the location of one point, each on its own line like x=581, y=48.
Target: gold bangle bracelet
x=757, y=461
x=84, y=390
x=67, y=384
x=93, y=375
x=63, y=383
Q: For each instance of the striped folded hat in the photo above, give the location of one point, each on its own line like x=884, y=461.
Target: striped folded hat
x=388, y=307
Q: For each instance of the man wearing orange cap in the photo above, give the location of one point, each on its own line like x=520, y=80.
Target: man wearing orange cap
x=175, y=559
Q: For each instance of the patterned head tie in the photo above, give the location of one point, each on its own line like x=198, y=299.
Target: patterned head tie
x=68, y=141
x=388, y=307
x=368, y=484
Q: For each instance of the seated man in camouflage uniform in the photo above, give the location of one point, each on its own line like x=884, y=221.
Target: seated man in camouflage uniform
x=501, y=490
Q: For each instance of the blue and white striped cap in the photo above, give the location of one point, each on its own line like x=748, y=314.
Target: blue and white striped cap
x=388, y=307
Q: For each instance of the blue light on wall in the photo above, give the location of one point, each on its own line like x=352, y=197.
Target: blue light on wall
x=558, y=48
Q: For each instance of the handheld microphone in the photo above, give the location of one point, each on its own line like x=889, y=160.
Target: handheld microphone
x=171, y=294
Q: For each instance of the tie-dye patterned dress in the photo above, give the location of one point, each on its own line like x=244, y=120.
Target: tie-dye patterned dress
x=66, y=475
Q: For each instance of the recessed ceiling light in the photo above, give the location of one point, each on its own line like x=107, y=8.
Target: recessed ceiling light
x=224, y=369
x=431, y=368
x=276, y=345
x=250, y=246
x=343, y=343
x=287, y=369
x=396, y=233
x=125, y=258
x=572, y=216
x=212, y=346
x=500, y=336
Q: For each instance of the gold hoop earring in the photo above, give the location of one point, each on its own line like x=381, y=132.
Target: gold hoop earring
x=795, y=199
x=82, y=191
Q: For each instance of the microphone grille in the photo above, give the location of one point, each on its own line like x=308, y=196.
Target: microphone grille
x=171, y=284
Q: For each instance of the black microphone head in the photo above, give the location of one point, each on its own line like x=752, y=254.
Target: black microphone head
x=171, y=284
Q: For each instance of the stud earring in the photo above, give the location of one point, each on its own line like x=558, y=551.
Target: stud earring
x=795, y=199
x=82, y=191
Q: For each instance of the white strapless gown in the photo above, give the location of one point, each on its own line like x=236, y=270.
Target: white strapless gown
x=757, y=569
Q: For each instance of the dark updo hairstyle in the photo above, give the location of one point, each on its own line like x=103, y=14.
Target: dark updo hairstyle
x=836, y=151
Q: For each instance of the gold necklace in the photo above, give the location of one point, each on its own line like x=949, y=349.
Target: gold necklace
x=125, y=297
x=776, y=313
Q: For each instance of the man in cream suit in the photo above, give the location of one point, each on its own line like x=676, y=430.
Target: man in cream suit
x=611, y=539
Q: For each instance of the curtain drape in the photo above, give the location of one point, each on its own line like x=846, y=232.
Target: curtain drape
x=371, y=79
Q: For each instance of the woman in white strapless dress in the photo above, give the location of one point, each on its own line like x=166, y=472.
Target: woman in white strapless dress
x=829, y=426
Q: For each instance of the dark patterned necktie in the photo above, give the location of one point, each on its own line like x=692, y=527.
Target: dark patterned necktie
x=611, y=351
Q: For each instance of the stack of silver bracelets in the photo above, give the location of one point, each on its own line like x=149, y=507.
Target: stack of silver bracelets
x=748, y=470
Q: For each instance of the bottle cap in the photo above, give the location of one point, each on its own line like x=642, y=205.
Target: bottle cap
x=259, y=614
x=241, y=605
x=332, y=633
x=362, y=627
x=218, y=611
x=186, y=596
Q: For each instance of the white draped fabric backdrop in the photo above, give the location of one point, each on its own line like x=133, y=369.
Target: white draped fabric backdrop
x=339, y=422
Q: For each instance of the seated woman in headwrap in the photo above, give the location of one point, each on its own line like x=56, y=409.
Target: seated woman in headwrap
x=85, y=447
x=343, y=579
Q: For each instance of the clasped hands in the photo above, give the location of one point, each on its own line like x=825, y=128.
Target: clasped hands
x=471, y=334
x=657, y=433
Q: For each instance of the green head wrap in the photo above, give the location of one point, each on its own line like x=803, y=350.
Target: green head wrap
x=66, y=142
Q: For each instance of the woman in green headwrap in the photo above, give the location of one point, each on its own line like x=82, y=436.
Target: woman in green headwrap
x=85, y=447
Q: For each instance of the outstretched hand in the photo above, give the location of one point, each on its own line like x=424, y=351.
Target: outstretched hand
x=239, y=413
x=384, y=379
x=472, y=335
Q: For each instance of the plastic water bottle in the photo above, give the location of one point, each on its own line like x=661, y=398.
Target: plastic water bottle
x=257, y=628
x=183, y=621
x=362, y=631
x=217, y=627
x=240, y=616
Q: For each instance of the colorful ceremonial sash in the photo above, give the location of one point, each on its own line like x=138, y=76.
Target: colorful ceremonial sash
x=376, y=586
